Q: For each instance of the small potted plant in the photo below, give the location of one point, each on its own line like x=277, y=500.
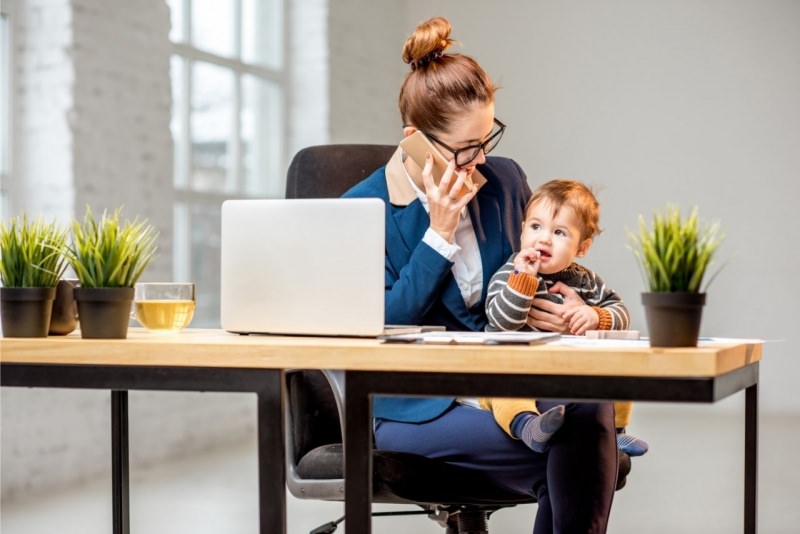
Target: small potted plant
x=674, y=256
x=31, y=264
x=108, y=257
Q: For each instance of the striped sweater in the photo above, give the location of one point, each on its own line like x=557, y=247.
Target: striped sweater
x=510, y=297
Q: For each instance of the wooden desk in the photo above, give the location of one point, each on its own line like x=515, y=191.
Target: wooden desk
x=705, y=374
x=212, y=360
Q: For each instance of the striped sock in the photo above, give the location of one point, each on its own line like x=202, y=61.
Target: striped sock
x=631, y=445
x=536, y=430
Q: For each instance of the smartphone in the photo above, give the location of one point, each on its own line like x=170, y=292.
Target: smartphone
x=417, y=145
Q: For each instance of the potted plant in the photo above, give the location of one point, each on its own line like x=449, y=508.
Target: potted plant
x=674, y=255
x=31, y=264
x=108, y=257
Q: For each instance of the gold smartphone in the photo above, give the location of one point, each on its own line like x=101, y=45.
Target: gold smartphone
x=417, y=145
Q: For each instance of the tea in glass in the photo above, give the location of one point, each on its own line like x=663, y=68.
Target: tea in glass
x=164, y=307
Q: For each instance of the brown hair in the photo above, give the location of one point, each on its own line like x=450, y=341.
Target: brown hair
x=439, y=86
x=575, y=195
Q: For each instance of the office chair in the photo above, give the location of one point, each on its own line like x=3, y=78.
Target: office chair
x=459, y=499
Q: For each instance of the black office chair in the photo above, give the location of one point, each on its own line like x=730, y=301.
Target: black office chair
x=459, y=499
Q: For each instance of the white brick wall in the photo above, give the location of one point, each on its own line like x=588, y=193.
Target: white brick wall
x=42, y=97
x=92, y=109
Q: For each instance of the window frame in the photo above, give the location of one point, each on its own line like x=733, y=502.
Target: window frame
x=185, y=198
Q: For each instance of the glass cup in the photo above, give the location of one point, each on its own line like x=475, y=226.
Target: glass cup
x=164, y=307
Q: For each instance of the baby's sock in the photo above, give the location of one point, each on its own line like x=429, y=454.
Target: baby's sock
x=631, y=445
x=536, y=430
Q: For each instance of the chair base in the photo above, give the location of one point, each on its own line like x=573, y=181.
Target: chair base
x=454, y=519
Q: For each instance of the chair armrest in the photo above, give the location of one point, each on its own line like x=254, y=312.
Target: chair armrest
x=336, y=380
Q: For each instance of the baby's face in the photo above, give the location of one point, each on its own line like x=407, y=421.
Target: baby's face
x=557, y=238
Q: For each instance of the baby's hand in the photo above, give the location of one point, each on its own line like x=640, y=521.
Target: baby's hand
x=581, y=319
x=528, y=261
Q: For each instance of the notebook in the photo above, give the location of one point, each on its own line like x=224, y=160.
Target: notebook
x=303, y=266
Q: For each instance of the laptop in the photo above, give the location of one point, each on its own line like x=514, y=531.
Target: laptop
x=303, y=266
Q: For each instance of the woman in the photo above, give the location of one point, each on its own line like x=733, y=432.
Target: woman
x=442, y=245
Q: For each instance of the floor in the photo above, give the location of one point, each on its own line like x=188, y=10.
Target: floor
x=690, y=482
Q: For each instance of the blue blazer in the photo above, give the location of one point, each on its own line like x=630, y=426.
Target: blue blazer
x=420, y=287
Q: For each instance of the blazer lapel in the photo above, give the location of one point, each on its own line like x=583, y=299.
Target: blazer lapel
x=410, y=222
x=487, y=222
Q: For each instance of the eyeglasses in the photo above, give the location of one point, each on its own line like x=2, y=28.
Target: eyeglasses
x=465, y=156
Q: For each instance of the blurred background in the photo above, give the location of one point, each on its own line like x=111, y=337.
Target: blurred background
x=169, y=108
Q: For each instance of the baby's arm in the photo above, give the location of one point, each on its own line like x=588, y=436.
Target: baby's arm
x=509, y=297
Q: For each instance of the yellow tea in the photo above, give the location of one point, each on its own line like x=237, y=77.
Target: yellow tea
x=164, y=315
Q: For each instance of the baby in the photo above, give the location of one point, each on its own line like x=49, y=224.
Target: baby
x=561, y=219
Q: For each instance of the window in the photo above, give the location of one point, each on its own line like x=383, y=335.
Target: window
x=228, y=125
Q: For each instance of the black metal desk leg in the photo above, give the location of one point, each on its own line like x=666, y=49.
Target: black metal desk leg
x=751, y=459
x=271, y=453
x=119, y=463
x=358, y=457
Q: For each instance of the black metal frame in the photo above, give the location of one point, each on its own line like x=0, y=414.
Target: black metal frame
x=361, y=386
x=267, y=384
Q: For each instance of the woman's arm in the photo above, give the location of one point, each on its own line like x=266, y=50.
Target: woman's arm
x=413, y=289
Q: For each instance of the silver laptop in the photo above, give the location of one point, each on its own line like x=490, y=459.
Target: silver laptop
x=303, y=266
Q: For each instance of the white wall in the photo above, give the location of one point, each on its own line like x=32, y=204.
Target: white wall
x=650, y=102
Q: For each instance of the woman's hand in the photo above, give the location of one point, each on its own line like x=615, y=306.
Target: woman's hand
x=550, y=316
x=443, y=202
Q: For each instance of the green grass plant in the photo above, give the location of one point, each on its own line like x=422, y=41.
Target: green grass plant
x=109, y=252
x=675, y=253
x=32, y=252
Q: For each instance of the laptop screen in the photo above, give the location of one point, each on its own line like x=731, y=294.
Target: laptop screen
x=303, y=266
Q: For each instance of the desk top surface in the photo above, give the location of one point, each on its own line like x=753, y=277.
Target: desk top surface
x=216, y=348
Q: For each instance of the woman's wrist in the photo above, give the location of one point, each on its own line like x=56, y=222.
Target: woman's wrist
x=440, y=244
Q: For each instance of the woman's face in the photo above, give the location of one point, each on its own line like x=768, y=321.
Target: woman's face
x=470, y=128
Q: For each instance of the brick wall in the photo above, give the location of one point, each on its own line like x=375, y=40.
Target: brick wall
x=91, y=127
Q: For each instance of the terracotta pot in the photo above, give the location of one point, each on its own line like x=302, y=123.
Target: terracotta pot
x=64, y=318
x=25, y=311
x=673, y=319
x=104, y=312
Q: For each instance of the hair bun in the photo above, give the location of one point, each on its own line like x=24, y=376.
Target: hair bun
x=424, y=60
x=428, y=42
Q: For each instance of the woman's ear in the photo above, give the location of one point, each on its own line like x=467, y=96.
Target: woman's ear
x=583, y=248
x=408, y=130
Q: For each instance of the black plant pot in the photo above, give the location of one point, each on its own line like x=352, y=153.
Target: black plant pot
x=104, y=312
x=25, y=311
x=64, y=318
x=673, y=319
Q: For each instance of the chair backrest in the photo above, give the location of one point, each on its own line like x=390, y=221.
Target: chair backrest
x=327, y=171
x=313, y=418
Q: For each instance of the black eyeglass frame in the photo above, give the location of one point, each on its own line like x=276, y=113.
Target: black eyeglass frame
x=477, y=148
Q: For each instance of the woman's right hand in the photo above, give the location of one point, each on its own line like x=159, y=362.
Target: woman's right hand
x=443, y=202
